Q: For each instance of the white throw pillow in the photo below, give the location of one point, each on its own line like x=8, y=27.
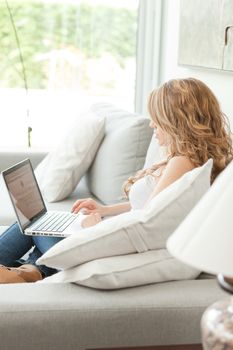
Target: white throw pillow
x=121, y=154
x=61, y=170
x=126, y=271
x=134, y=231
x=155, y=153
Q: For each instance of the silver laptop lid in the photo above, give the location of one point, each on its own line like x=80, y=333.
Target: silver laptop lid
x=24, y=193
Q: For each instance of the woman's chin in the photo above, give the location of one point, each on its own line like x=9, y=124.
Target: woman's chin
x=160, y=143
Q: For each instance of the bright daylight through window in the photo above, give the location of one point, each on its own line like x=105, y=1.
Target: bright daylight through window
x=74, y=52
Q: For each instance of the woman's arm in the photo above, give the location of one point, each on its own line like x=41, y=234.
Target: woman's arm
x=90, y=206
x=116, y=209
x=175, y=168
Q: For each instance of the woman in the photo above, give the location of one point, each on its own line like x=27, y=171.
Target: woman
x=188, y=122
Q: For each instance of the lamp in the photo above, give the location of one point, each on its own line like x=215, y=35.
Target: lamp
x=204, y=240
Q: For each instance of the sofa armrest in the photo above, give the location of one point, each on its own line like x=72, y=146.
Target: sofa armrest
x=13, y=156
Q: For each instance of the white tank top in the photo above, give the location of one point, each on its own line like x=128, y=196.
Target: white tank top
x=142, y=189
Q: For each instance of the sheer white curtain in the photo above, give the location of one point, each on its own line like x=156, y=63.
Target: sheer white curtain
x=151, y=13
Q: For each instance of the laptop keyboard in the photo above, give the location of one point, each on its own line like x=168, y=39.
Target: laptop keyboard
x=55, y=222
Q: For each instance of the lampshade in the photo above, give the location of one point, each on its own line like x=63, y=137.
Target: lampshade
x=204, y=239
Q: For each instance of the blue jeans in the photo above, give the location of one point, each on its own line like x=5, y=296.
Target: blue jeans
x=14, y=244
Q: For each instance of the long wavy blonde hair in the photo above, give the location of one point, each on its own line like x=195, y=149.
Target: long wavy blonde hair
x=190, y=115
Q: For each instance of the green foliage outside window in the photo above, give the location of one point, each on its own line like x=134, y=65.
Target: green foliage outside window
x=45, y=27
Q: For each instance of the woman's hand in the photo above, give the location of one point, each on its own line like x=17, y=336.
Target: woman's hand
x=89, y=206
x=91, y=220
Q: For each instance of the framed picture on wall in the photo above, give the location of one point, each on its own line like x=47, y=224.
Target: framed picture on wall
x=206, y=34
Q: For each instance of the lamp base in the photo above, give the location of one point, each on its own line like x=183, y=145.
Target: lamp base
x=217, y=326
x=226, y=283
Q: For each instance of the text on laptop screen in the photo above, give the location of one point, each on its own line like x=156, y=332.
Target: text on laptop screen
x=24, y=193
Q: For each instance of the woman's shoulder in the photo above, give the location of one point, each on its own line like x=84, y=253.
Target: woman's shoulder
x=180, y=164
x=176, y=167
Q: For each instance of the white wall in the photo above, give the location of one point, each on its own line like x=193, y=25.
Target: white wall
x=220, y=82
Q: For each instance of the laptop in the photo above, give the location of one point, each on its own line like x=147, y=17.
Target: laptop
x=32, y=215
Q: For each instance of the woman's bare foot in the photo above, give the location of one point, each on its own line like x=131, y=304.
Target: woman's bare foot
x=21, y=274
x=9, y=276
x=30, y=273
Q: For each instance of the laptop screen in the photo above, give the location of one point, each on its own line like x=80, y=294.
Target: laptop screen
x=24, y=192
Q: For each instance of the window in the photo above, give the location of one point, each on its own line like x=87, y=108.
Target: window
x=74, y=52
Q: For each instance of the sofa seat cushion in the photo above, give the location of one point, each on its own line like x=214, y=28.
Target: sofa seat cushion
x=61, y=316
x=3, y=229
x=81, y=191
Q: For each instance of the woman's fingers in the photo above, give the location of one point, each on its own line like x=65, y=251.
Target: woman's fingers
x=80, y=204
x=76, y=204
x=86, y=211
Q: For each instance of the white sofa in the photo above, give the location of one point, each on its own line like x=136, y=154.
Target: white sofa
x=68, y=316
